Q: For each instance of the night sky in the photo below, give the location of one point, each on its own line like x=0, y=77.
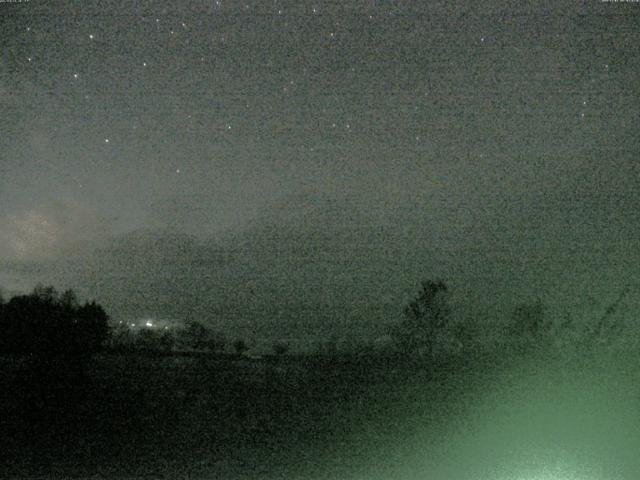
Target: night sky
x=285, y=169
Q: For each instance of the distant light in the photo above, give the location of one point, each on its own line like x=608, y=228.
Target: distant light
x=133, y=324
x=106, y=140
x=149, y=323
x=91, y=36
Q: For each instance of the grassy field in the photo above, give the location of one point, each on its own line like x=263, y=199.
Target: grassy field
x=139, y=416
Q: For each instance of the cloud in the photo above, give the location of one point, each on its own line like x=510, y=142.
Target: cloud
x=49, y=230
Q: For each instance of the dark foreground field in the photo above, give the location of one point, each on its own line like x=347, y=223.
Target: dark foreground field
x=137, y=416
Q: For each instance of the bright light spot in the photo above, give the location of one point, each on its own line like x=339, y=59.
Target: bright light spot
x=91, y=36
x=106, y=140
x=149, y=323
x=75, y=75
x=133, y=324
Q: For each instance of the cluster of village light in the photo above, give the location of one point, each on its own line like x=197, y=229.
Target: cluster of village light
x=145, y=324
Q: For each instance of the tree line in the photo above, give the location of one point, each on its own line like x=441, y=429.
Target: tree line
x=46, y=322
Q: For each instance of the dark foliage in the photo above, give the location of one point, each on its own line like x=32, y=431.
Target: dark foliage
x=425, y=319
x=280, y=348
x=45, y=323
x=240, y=346
x=196, y=336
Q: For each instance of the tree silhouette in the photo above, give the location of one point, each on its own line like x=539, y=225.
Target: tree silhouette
x=280, y=348
x=45, y=323
x=198, y=337
x=240, y=346
x=195, y=335
x=425, y=320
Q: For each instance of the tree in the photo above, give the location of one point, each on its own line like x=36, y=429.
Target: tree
x=46, y=324
x=425, y=320
x=216, y=341
x=280, y=348
x=240, y=346
x=198, y=337
x=194, y=335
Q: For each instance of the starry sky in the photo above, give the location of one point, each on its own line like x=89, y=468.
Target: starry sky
x=290, y=169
